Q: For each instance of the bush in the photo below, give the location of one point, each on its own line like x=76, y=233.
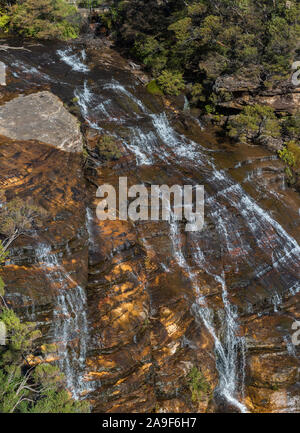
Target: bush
x=254, y=123
x=4, y=21
x=291, y=155
x=198, y=385
x=108, y=148
x=44, y=19
x=171, y=82
x=32, y=390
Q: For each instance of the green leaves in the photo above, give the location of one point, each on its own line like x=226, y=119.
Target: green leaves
x=2, y=286
x=198, y=385
x=34, y=390
x=44, y=19
x=182, y=29
x=172, y=83
x=253, y=123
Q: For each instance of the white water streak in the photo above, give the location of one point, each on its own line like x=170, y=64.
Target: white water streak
x=70, y=327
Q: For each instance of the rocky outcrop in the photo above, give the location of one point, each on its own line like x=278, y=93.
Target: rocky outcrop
x=41, y=116
x=53, y=180
x=50, y=263
x=237, y=92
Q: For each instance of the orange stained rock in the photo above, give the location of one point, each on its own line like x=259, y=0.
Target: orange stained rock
x=204, y=345
x=120, y=381
x=97, y=374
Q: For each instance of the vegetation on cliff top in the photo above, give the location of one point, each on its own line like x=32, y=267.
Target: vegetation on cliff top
x=204, y=39
x=41, y=19
x=189, y=45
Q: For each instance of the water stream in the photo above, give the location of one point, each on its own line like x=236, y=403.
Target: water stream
x=70, y=326
x=250, y=240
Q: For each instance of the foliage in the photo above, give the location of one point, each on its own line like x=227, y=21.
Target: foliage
x=172, y=83
x=253, y=123
x=4, y=20
x=21, y=335
x=153, y=88
x=206, y=39
x=291, y=155
x=108, y=149
x=42, y=19
x=19, y=217
x=30, y=389
x=152, y=53
x=198, y=385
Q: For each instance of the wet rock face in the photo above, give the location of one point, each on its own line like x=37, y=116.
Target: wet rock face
x=159, y=302
x=53, y=180
x=242, y=90
x=41, y=116
x=143, y=338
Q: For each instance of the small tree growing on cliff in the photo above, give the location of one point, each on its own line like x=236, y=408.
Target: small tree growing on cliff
x=19, y=217
x=254, y=123
x=25, y=388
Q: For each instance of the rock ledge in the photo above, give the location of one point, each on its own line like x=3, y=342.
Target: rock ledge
x=41, y=116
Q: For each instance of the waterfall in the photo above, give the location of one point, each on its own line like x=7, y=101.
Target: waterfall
x=228, y=350
x=164, y=144
x=143, y=145
x=70, y=326
x=116, y=86
x=186, y=106
x=85, y=99
x=74, y=60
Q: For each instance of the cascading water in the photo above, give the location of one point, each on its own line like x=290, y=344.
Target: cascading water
x=70, y=326
x=248, y=237
x=74, y=60
x=231, y=346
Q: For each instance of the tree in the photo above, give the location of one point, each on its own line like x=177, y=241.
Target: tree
x=19, y=217
x=254, y=123
x=44, y=19
x=172, y=83
x=31, y=389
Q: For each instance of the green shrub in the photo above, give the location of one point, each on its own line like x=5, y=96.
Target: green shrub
x=254, y=123
x=108, y=148
x=172, y=83
x=198, y=385
x=32, y=390
x=44, y=19
x=153, y=88
x=4, y=21
x=291, y=155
